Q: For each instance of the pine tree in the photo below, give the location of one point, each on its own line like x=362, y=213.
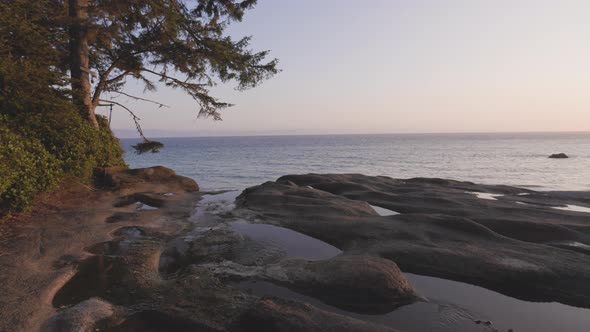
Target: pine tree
x=182, y=44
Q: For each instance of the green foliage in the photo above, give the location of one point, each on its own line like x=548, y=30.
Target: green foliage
x=38, y=149
x=182, y=44
x=148, y=146
x=30, y=56
x=42, y=136
x=26, y=168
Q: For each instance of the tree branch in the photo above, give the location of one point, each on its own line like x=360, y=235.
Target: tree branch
x=139, y=98
x=173, y=79
x=118, y=77
x=133, y=116
x=104, y=80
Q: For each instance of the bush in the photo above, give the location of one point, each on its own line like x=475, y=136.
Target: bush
x=73, y=140
x=38, y=149
x=26, y=168
x=42, y=136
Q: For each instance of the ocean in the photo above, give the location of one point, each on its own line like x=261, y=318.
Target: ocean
x=513, y=159
x=518, y=159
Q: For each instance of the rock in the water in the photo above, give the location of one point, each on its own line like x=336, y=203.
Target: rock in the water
x=120, y=178
x=443, y=230
x=559, y=156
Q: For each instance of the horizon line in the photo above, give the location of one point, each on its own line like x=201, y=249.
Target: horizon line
x=369, y=134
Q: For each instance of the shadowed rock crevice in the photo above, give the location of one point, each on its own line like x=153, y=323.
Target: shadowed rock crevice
x=97, y=276
x=154, y=321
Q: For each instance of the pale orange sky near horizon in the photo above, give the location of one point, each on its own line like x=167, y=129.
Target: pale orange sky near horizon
x=386, y=66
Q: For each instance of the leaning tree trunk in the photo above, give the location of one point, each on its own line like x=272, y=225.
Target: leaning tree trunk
x=79, y=71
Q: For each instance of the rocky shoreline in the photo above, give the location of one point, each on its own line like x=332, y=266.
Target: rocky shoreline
x=149, y=252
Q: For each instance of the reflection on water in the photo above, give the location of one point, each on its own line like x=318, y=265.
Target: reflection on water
x=145, y=207
x=383, y=211
x=212, y=204
x=419, y=316
x=452, y=306
x=227, y=197
x=487, y=196
x=293, y=244
x=95, y=278
x=512, y=159
x=575, y=208
x=455, y=306
x=505, y=312
x=120, y=245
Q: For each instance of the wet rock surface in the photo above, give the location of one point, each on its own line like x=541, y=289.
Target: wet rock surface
x=81, y=317
x=107, y=263
x=444, y=229
x=304, y=253
x=356, y=283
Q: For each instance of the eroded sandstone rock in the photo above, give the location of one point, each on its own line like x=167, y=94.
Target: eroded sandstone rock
x=80, y=318
x=355, y=283
x=119, y=178
x=446, y=229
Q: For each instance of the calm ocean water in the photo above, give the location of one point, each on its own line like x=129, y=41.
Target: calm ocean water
x=513, y=159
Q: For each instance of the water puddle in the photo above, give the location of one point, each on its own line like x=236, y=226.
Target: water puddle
x=118, y=246
x=503, y=311
x=487, y=196
x=98, y=275
x=172, y=258
x=574, y=208
x=414, y=317
x=453, y=306
x=383, y=211
x=293, y=244
x=224, y=197
x=95, y=277
x=214, y=204
x=456, y=307
x=144, y=207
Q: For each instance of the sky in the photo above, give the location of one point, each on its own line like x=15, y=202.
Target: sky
x=399, y=66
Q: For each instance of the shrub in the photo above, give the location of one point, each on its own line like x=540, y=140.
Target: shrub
x=42, y=136
x=26, y=168
x=38, y=149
